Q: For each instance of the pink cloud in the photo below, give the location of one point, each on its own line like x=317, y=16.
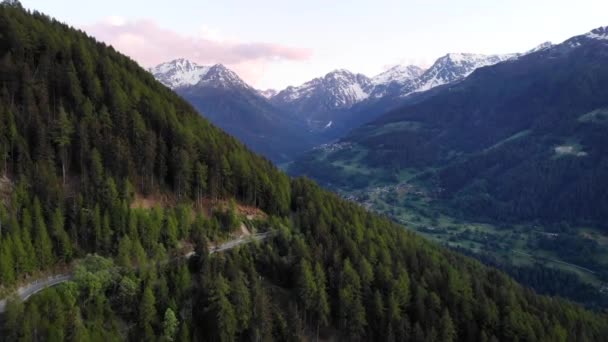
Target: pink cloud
x=149, y=44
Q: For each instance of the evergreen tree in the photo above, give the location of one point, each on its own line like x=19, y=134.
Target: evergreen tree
x=147, y=313
x=7, y=264
x=321, y=303
x=307, y=287
x=62, y=132
x=42, y=241
x=63, y=243
x=222, y=310
x=447, y=331
x=170, y=326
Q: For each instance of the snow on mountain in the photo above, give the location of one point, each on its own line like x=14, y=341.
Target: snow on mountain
x=450, y=68
x=178, y=73
x=220, y=76
x=399, y=74
x=338, y=89
x=268, y=93
x=184, y=73
x=541, y=47
x=600, y=33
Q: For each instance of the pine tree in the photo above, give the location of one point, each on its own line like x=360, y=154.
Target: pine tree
x=321, y=303
x=200, y=180
x=241, y=300
x=170, y=326
x=62, y=132
x=30, y=261
x=64, y=246
x=447, y=331
x=147, y=313
x=171, y=230
x=7, y=264
x=125, y=248
x=97, y=230
x=19, y=254
x=307, y=288
x=222, y=310
x=106, y=233
x=42, y=241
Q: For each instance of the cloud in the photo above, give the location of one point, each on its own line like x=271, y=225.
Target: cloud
x=150, y=44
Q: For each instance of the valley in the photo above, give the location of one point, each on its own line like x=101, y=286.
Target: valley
x=410, y=198
x=505, y=165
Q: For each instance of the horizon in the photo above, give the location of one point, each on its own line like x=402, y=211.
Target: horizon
x=248, y=39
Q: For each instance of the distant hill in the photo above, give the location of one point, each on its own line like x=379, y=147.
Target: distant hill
x=522, y=139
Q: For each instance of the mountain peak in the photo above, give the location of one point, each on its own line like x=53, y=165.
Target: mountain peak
x=340, y=72
x=184, y=73
x=600, y=33
x=540, y=47
x=339, y=88
x=179, y=72
x=450, y=68
x=398, y=74
x=219, y=75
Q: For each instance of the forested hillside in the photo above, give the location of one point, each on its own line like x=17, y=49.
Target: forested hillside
x=84, y=131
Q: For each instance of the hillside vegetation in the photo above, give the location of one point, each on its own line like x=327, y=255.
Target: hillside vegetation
x=83, y=129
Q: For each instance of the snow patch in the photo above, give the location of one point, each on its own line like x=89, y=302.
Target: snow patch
x=339, y=88
x=184, y=73
x=399, y=74
x=570, y=150
x=600, y=33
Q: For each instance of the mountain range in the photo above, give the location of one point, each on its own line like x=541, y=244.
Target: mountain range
x=488, y=141
x=316, y=112
x=242, y=111
x=113, y=178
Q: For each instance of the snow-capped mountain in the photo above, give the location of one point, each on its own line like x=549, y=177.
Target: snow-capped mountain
x=338, y=89
x=449, y=68
x=221, y=96
x=181, y=73
x=543, y=46
x=322, y=102
x=398, y=74
x=394, y=78
x=342, y=89
x=600, y=33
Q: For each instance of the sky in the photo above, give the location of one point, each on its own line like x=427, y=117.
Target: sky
x=276, y=43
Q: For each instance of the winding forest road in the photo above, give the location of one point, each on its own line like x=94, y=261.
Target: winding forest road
x=30, y=289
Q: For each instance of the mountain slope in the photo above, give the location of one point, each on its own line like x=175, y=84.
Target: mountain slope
x=81, y=144
x=341, y=101
x=394, y=78
x=323, y=102
x=226, y=100
x=493, y=134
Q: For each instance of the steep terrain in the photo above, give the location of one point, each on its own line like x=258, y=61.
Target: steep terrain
x=221, y=96
x=324, y=102
x=517, y=149
x=504, y=124
x=341, y=100
x=88, y=128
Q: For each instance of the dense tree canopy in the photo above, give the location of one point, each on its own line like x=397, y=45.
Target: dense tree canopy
x=85, y=130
